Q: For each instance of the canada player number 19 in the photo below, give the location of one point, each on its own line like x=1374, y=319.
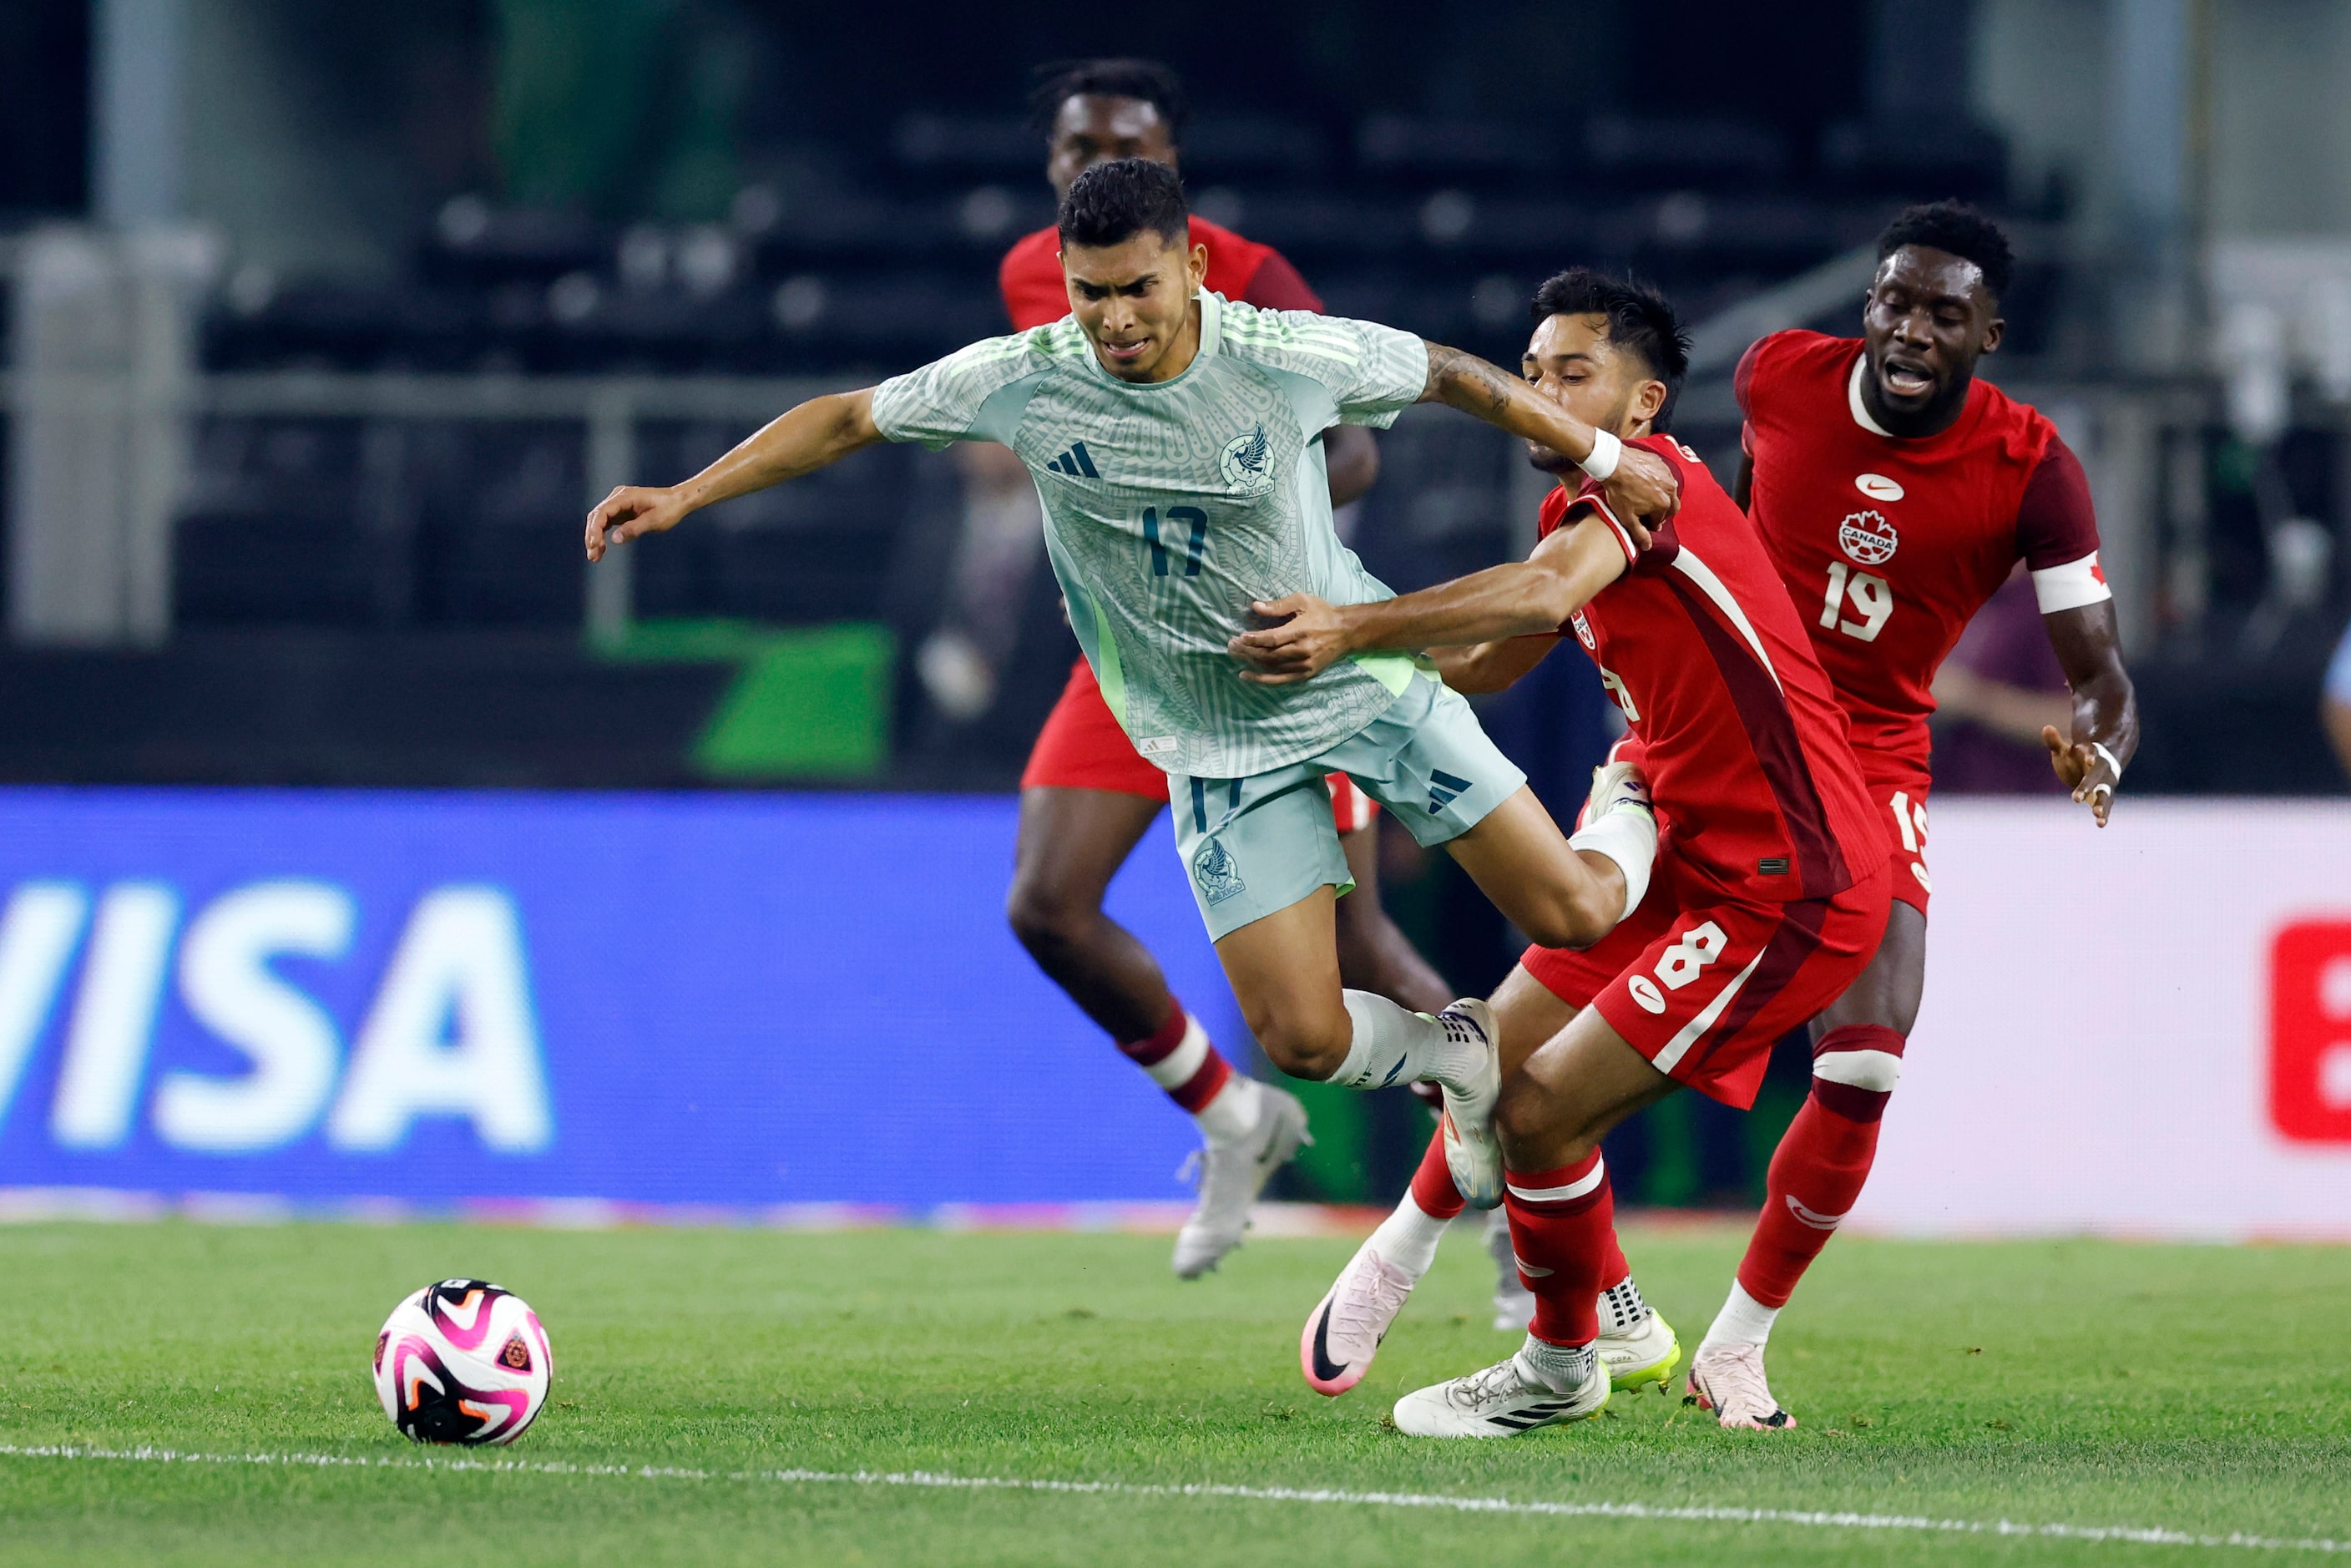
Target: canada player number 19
x=1872, y=600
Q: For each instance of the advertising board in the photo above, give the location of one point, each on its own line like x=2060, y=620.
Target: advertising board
x=2140, y=1031
x=460, y=999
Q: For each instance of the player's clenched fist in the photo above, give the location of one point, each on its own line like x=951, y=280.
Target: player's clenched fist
x=1309, y=637
x=1641, y=489
x=630, y=512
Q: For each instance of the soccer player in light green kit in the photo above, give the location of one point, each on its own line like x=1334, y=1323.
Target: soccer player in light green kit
x=1173, y=437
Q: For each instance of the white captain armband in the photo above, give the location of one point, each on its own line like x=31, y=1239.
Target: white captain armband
x=2071, y=585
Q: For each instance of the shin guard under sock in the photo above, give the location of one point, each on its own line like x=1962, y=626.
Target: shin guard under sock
x=1564, y=1229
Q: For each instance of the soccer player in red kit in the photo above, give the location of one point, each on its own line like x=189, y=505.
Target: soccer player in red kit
x=1771, y=887
x=1087, y=796
x=1897, y=492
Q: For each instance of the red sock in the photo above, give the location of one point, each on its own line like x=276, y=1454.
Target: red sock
x=1564, y=1229
x=1180, y=1059
x=1818, y=1170
x=1432, y=1185
x=1615, y=1270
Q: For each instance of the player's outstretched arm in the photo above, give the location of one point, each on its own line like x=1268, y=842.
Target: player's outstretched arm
x=2105, y=707
x=802, y=440
x=1485, y=668
x=1537, y=594
x=1640, y=486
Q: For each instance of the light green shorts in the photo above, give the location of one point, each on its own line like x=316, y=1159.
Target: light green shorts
x=1259, y=844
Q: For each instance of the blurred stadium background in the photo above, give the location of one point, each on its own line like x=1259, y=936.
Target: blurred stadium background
x=363, y=848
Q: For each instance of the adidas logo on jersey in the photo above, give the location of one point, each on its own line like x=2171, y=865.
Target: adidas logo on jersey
x=1076, y=462
x=1444, y=789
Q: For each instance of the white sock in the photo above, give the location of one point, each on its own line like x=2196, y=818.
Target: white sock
x=1562, y=1368
x=1622, y=1310
x=1175, y=1070
x=1393, y=1046
x=1407, y=1238
x=1742, y=1321
x=1628, y=838
x=1233, y=1112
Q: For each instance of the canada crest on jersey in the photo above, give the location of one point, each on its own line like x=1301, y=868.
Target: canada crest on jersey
x=1246, y=463
x=1868, y=539
x=1584, y=631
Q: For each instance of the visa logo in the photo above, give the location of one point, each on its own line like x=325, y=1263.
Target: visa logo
x=451, y=1030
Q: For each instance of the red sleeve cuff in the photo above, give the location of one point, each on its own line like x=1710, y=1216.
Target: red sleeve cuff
x=2055, y=521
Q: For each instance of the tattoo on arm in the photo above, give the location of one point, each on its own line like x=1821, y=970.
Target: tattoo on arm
x=1488, y=388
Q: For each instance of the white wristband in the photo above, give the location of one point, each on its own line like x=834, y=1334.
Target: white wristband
x=1606, y=450
x=2111, y=763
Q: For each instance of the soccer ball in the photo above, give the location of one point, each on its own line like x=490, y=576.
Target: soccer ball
x=463, y=1361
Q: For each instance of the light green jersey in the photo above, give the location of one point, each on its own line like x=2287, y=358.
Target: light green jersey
x=1170, y=506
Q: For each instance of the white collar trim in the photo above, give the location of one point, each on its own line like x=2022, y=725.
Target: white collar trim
x=1852, y=399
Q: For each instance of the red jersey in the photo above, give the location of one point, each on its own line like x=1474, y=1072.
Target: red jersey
x=1035, y=296
x=1741, y=739
x=1890, y=546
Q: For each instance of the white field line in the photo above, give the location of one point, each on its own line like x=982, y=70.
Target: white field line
x=1806, y=1519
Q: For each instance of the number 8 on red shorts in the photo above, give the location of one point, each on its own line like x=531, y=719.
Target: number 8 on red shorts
x=1704, y=993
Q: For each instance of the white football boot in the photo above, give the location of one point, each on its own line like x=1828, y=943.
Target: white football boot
x=1728, y=1379
x=1472, y=1155
x=1616, y=786
x=1514, y=1304
x=1642, y=1356
x=1502, y=1401
x=1233, y=1171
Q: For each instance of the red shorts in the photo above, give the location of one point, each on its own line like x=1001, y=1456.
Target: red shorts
x=1705, y=992
x=1082, y=747
x=1898, y=788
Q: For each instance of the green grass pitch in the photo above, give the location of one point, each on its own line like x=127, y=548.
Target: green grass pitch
x=2201, y=1390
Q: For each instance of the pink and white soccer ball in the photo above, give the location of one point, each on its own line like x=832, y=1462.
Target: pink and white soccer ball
x=463, y=1361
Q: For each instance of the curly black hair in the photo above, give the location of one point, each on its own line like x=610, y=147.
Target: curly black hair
x=1641, y=319
x=1956, y=229
x=1112, y=202
x=1058, y=81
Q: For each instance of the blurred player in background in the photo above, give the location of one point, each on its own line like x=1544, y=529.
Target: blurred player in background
x=1174, y=438
x=1771, y=885
x=1897, y=492
x=1087, y=798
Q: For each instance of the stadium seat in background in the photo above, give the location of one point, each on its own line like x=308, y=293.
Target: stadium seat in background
x=501, y=547
x=1897, y=160
x=1406, y=150
x=1730, y=157
x=269, y=534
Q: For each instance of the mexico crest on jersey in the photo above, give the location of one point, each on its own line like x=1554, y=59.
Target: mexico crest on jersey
x=1247, y=464
x=1218, y=873
x=1867, y=537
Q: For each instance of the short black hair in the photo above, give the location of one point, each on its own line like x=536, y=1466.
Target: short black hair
x=1058, y=81
x=1958, y=229
x=1111, y=203
x=1641, y=319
